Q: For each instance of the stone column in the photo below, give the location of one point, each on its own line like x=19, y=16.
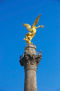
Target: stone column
x=30, y=61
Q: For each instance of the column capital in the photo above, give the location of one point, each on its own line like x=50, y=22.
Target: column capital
x=30, y=56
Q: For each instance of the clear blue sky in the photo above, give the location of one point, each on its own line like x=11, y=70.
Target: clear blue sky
x=13, y=13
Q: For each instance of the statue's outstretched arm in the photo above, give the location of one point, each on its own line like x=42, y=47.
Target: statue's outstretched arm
x=42, y=26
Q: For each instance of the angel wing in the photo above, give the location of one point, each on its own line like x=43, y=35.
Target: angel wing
x=36, y=21
x=28, y=27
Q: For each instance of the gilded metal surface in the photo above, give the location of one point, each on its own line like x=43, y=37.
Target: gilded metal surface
x=32, y=30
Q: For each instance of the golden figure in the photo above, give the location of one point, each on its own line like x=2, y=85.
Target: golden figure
x=32, y=30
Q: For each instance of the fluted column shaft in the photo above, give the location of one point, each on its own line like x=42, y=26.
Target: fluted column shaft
x=30, y=78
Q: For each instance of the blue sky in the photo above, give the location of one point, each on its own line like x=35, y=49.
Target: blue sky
x=13, y=13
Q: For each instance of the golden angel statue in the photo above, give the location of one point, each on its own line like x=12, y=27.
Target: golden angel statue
x=32, y=30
